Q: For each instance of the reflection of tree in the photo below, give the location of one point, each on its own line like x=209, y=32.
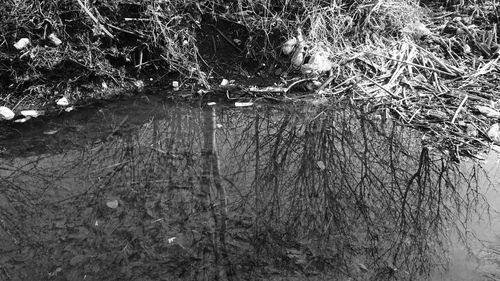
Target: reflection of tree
x=312, y=190
x=340, y=184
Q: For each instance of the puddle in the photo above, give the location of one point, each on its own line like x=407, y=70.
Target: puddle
x=147, y=190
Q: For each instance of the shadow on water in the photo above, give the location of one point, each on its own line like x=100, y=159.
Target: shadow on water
x=143, y=190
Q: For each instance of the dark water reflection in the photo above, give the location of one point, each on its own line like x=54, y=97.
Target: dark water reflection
x=261, y=193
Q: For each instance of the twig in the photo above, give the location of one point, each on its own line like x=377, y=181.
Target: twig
x=92, y=17
x=459, y=108
x=380, y=86
x=326, y=83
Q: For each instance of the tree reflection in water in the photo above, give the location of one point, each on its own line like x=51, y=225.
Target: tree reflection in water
x=224, y=194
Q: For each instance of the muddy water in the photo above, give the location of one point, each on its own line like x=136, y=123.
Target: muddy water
x=147, y=190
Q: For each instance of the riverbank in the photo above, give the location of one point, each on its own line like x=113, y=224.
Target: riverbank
x=431, y=67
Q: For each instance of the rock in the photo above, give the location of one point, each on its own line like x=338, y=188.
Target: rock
x=6, y=113
x=224, y=82
x=62, y=101
x=494, y=133
x=488, y=111
x=113, y=204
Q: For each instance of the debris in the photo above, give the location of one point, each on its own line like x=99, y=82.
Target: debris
x=488, y=111
x=62, y=101
x=288, y=46
x=417, y=30
x=54, y=40
x=321, y=165
x=69, y=109
x=32, y=113
x=211, y=103
x=6, y=113
x=224, y=82
x=22, y=43
x=175, y=84
x=243, y=104
x=139, y=83
x=113, y=204
x=298, y=56
x=318, y=63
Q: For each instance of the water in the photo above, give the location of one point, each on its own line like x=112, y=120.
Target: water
x=147, y=190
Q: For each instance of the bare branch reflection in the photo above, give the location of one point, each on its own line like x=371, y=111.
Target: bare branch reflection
x=224, y=194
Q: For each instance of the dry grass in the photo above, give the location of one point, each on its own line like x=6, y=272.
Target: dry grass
x=427, y=69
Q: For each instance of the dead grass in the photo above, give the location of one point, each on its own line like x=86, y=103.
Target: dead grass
x=425, y=66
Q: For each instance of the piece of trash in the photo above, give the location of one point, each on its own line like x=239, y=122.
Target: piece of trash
x=6, y=113
x=218, y=126
x=69, y=109
x=211, y=103
x=31, y=113
x=171, y=240
x=224, y=82
x=22, y=43
x=237, y=41
x=288, y=46
x=494, y=133
x=243, y=104
x=50, y=132
x=113, y=204
x=488, y=112
x=466, y=48
x=22, y=120
x=201, y=92
x=175, y=84
x=62, y=101
x=298, y=56
x=321, y=165
x=104, y=85
x=53, y=38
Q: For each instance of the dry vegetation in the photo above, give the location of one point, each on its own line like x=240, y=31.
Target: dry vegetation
x=428, y=64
